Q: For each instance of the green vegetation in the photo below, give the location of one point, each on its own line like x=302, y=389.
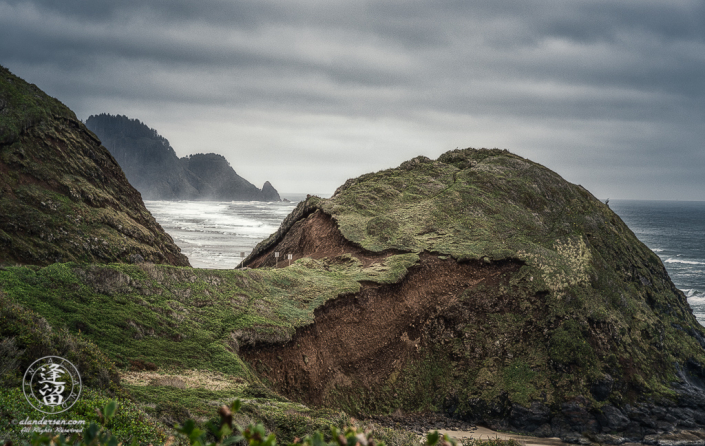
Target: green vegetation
x=286, y=419
x=568, y=346
x=560, y=295
x=589, y=299
x=63, y=196
x=27, y=337
x=585, y=273
x=227, y=430
x=128, y=424
x=184, y=318
x=184, y=327
x=585, y=300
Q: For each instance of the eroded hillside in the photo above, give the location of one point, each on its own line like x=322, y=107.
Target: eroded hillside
x=531, y=305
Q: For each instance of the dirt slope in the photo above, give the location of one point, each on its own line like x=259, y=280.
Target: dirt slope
x=316, y=237
x=366, y=337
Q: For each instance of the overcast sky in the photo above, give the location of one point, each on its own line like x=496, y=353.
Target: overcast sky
x=307, y=93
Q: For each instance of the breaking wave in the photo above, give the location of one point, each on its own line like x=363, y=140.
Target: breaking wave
x=687, y=262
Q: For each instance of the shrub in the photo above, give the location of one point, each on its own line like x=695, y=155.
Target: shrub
x=226, y=432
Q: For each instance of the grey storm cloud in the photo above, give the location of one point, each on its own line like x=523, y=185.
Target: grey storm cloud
x=308, y=93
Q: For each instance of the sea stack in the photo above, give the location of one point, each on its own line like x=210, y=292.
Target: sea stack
x=269, y=192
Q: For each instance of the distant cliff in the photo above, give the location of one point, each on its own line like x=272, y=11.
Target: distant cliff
x=152, y=166
x=222, y=181
x=63, y=197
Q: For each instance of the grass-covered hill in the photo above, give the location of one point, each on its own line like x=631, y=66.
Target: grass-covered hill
x=531, y=306
x=62, y=195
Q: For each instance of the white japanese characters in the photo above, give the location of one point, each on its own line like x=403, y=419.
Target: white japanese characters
x=52, y=384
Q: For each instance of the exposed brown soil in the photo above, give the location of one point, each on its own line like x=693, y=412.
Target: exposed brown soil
x=316, y=236
x=365, y=337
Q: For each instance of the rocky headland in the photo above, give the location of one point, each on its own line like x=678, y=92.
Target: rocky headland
x=152, y=166
x=63, y=197
x=530, y=306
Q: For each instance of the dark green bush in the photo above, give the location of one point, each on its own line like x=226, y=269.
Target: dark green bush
x=27, y=336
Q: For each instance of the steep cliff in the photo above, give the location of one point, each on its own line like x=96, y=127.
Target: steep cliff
x=63, y=197
x=530, y=305
x=152, y=166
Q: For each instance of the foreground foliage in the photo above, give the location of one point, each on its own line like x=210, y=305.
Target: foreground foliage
x=226, y=432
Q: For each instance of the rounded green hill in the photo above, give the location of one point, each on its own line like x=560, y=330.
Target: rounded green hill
x=530, y=305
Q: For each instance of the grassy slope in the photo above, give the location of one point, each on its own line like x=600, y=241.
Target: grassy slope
x=182, y=321
x=62, y=195
x=24, y=337
x=182, y=317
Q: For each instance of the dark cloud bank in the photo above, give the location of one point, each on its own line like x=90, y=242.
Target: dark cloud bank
x=306, y=94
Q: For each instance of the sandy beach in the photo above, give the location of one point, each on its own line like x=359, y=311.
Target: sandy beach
x=484, y=433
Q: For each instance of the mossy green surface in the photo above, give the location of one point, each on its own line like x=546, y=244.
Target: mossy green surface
x=177, y=319
x=131, y=422
x=285, y=418
x=63, y=197
x=590, y=300
x=182, y=317
x=25, y=337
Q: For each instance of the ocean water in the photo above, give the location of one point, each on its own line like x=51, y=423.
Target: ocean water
x=675, y=231
x=213, y=234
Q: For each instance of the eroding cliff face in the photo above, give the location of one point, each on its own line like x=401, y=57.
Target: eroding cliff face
x=62, y=195
x=531, y=307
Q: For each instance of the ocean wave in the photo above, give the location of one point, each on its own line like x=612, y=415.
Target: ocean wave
x=657, y=250
x=700, y=317
x=692, y=292
x=687, y=262
x=696, y=298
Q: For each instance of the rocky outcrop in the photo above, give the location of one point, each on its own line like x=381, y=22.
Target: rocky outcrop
x=531, y=307
x=269, y=192
x=63, y=197
x=151, y=165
